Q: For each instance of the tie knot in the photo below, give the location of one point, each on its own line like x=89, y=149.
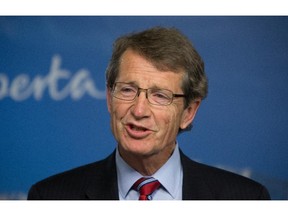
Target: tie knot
x=146, y=186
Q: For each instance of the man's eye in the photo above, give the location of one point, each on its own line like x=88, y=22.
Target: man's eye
x=160, y=95
x=127, y=90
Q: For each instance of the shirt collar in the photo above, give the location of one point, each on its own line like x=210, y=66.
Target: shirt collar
x=169, y=174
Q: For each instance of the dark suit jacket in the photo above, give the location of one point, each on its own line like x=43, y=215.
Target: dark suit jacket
x=98, y=181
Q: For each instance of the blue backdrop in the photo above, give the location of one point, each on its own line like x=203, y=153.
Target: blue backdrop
x=53, y=114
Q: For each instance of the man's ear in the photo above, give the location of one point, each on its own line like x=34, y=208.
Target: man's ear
x=189, y=114
x=108, y=99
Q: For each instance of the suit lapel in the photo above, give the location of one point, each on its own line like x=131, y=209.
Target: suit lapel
x=103, y=186
x=194, y=186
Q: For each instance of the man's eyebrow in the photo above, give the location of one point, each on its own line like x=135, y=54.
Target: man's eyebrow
x=130, y=82
x=135, y=83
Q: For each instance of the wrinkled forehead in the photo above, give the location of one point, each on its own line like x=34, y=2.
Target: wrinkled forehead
x=131, y=56
x=136, y=69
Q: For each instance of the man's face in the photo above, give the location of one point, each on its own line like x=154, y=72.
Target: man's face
x=140, y=128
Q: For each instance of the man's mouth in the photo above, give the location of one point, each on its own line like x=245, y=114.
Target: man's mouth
x=136, y=128
x=137, y=132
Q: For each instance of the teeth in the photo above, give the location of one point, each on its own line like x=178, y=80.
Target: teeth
x=137, y=128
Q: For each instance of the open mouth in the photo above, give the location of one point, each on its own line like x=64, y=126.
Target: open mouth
x=136, y=128
x=137, y=132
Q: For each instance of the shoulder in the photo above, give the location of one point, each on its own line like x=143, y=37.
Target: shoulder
x=71, y=184
x=222, y=184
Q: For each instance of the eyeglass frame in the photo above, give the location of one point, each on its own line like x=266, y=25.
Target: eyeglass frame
x=139, y=90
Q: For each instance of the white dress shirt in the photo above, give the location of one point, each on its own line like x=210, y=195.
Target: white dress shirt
x=170, y=175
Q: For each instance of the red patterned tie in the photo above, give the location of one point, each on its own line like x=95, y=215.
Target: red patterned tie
x=146, y=186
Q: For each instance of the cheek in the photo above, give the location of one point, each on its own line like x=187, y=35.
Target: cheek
x=171, y=121
x=115, y=124
x=117, y=113
x=116, y=116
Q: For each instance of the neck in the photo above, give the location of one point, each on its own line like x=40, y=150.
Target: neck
x=146, y=165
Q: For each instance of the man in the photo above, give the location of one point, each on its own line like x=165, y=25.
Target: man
x=155, y=84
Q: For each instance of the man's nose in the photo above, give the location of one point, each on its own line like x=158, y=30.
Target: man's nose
x=141, y=107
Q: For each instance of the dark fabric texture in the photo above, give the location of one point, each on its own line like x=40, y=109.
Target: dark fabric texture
x=98, y=181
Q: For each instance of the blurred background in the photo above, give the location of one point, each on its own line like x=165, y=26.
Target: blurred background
x=53, y=114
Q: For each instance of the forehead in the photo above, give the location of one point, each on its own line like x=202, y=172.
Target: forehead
x=135, y=68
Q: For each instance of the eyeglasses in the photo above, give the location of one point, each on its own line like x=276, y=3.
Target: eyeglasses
x=128, y=92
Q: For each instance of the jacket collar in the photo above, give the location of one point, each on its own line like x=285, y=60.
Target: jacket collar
x=194, y=187
x=103, y=184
